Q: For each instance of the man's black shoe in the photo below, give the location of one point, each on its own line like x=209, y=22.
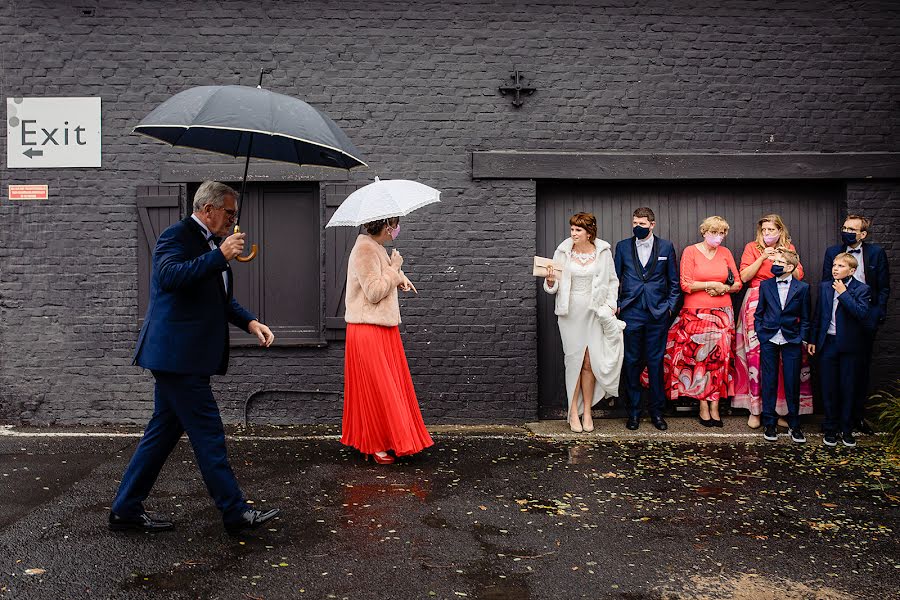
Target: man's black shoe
x=848, y=440
x=771, y=433
x=797, y=436
x=659, y=423
x=141, y=522
x=864, y=428
x=633, y=423
x=251, y=519
x=830, y=440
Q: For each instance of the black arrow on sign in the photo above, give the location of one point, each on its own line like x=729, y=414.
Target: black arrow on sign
x=31, y=153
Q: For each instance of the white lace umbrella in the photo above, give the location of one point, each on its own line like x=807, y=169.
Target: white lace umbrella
x=381, y=200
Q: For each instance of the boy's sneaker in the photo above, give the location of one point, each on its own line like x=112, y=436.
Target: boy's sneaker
x=797, y=436
x=849, y=440
x=770, y=434
x=830, y=440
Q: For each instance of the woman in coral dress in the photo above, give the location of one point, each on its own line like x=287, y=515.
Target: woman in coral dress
x=381, y=412
x=756, y=267
x=699, y=358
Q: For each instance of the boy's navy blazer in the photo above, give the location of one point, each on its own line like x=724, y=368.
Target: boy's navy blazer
x=853, y=305
x=878, y=278
x=659, y=282
x=792, y=320
x=186, y=327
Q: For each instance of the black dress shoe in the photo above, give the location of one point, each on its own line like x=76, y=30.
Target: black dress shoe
x=717, y=423
x=251, y=519
x=864, y=428
x=706, y=422
x=141, y=522
x=659, y=423
x=633, y=423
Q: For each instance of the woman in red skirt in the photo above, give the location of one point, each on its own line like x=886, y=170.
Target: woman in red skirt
x=381, y=412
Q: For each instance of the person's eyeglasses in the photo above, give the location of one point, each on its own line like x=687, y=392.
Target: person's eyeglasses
x=231, y=213
x=850, y=230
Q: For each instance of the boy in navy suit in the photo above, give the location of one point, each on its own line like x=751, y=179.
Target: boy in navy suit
x=782, y=326
x=840, y=340
x=872, y=271
x=648, y=291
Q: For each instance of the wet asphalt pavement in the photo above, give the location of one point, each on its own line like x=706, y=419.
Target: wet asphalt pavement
x=477, y=516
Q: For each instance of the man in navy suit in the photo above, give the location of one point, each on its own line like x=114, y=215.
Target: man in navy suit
x=183, y=342
x=648, y=292
x=840, y=338
x=873, y=271
x=782, y=327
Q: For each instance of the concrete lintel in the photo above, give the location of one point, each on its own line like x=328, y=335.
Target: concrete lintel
x=511, y=164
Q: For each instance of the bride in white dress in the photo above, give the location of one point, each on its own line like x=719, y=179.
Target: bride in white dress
x=586, y=297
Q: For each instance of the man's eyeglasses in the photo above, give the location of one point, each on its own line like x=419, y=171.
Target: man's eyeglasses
x=850, y=230
x=230, y=212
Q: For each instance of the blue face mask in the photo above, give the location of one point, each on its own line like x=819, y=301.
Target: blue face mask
x=640, y=232
x=848, y=238
x=777, y=270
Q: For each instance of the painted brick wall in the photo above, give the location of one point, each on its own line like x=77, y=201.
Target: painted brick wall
x=414, y=84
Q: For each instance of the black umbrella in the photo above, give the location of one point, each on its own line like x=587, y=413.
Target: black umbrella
x=244, y=121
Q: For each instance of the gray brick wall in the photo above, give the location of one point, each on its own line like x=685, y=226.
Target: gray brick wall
x=414, y=84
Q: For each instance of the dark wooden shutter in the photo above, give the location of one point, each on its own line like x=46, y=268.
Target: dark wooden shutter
x=338, y=243
x=158, y=207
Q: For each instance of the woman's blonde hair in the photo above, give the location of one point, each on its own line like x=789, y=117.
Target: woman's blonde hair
x=783, y=242
x=713, y=222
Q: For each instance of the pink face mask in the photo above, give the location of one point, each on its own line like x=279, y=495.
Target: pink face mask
x=394, y=231
x=713, y=240
x=771, y=239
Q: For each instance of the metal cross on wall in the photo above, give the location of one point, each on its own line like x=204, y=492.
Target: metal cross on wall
x=518, y=88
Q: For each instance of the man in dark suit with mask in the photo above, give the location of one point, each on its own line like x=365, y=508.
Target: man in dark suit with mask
x=873, y=271
x=648, y=292
x=183, y=342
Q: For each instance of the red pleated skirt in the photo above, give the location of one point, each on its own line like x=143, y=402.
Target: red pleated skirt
x=381, y=411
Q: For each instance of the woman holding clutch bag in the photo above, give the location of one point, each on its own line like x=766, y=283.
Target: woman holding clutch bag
x=381, y=412
x=699, y=361
x=586, y=295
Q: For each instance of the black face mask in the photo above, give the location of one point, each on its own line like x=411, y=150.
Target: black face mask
x=641, y=232
x=848, y=238
x=777, y=270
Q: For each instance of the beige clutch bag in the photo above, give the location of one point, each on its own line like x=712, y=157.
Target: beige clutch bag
x=541, y=264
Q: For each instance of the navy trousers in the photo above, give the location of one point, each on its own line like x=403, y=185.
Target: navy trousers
x=183, y=403
x=645, y=345
x=862, y=379
x=839, y=372
x=790, y=358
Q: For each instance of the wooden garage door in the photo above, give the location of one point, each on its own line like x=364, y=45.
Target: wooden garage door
x=810, y=211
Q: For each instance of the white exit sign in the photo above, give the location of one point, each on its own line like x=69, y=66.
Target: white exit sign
x=52, y=132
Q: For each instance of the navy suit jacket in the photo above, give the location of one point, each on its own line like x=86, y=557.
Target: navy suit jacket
x=792, y=320
x=186, y=327
x=659, y=284
x=878, y=278
x=853, y=306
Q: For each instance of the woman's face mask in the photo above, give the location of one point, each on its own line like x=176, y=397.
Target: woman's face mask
x=771, y=239
x=394, y=231
x=713, y=239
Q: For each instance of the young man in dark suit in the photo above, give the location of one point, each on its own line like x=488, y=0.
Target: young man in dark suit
x=873, y=271
x=183, y=342
x=840, y=337
x=648, y=292
x=782, y=326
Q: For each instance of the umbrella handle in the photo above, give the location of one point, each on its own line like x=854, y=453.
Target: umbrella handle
x=253, y=249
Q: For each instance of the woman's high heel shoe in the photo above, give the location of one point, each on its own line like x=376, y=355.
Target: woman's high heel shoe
x=707, y=422
x=387, y=459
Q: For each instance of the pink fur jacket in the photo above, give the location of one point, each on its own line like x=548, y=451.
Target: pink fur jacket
x=371, y=285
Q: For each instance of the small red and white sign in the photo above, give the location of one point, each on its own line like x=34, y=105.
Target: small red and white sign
x=29, y=192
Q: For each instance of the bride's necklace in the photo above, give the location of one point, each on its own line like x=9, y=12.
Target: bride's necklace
x=584, y=259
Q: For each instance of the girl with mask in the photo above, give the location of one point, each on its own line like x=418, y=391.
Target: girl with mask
x=381, y=412
x=756, y=267
x=699, y=359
